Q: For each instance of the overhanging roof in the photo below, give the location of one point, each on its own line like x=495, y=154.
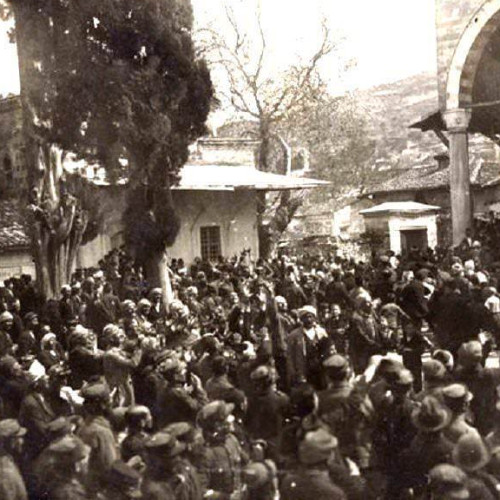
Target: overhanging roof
x=433, y=121
x=234, y=177
x=408, y=207
x=484, y=121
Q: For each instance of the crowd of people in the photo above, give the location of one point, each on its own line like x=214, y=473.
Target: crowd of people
x=302, y=377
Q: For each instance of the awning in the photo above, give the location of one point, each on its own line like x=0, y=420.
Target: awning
x=233, y=177
x=484, y=121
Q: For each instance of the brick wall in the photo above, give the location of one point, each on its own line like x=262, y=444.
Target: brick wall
x=452, y=16
x=13, y=178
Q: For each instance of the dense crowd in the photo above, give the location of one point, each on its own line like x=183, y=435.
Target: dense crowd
x=302, y=377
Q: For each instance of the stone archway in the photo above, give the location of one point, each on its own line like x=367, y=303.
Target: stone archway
x=457, y=115
x=468, y=54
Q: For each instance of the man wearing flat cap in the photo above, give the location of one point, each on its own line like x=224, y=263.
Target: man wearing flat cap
x=42, y=468
x=447, y=482
x=312, y=480
x=480, y=381
x=36, y=413
x=139, y=421
x=267, y=408
x=12, y=485
x=65, y=478
x=177, y=401
x=346, y=410
x=427, y=449
x=97, y=433
x=168, y=474
x=123, y=483
x=308, y=346
x=394, y=428
x=457, y=398
x=222, y=456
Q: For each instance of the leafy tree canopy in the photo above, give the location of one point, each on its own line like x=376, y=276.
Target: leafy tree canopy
x=116, y=81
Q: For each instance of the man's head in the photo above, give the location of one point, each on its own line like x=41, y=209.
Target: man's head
x=281, y=303
x=470, y=354
x=308, y=316
x=156, y=295
x=317, y=447
x=6, y=321
x=402, y=383
x=304, y=400
x=138, y=417
x=219, y=366
x=173, y=370
x=216, y=418
x=336, y=311
x=57, y=377
x=124, y=480
x=70, y=455
x=336, y=368
x=365, y=304
x=262, y=377
x=128, y=308
x=10, y=367
x=233, y=298
x=31, y=320
x=97, y=399
x=422, y=274
x=161, y=449
x=457, y=398
x=11, y=436
x=144, y=307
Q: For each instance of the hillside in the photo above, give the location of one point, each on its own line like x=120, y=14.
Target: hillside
x=390, y=110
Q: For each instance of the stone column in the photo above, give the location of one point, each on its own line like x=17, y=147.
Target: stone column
x=457, y=121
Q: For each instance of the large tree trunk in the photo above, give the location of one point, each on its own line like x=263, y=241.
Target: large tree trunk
x=287, y=208
x=158, y=275
x=270, y=232
x=264, y=156
x=55, y=222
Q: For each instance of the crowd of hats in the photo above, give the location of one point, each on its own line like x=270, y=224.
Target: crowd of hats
x=432, y=413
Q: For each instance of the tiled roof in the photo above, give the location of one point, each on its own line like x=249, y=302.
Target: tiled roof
x=433, y=177
x=12, y=226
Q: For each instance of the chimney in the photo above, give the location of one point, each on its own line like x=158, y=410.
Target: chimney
x=305, y=159
x=443, y=161
x=287, y=153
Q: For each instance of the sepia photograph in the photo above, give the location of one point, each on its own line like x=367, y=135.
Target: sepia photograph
x=249, y=250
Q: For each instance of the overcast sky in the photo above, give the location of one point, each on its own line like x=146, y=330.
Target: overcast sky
x=389, y=39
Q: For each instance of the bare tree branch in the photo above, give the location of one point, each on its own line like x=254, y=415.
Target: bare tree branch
x=260, y=62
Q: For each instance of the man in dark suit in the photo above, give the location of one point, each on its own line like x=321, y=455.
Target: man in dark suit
x=308, y=346
x=365, y=340
x=415, y=304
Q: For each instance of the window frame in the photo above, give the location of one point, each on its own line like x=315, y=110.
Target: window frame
x=210, y=242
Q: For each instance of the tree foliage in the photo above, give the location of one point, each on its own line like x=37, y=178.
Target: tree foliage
x=335, y=129
x=114, y=81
